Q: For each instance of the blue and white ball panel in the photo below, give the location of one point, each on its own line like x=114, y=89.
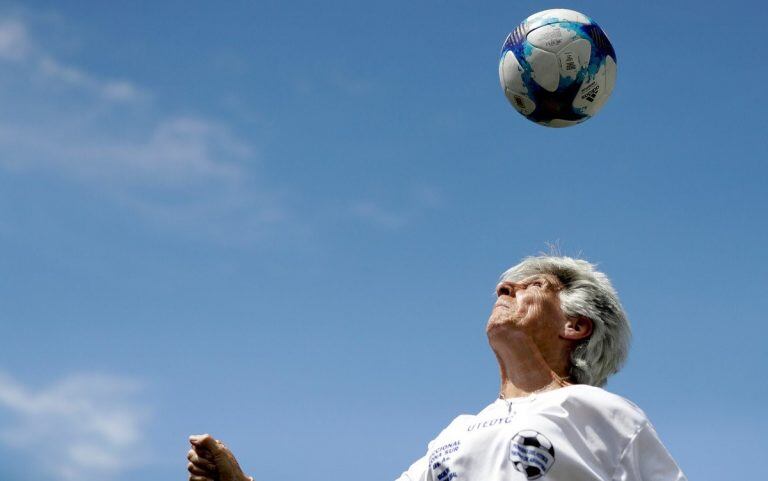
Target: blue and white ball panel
x=608, y=74
x=545, y=68
x=595, y=91
x=590, y=91
x=574, y=57
x=511, y=73
x=555, y=15
x=551, y=39
x=521, y=102
x=511, y=77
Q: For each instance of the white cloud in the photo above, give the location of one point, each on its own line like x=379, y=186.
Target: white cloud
x=191, y=173
x=73, y=131
x=84, y=427
x=14, y=43
x=184, y=148
x=419, y=202
x=176, y=151
x=109, y=89
x=17, y=46
x=121, y=90
x=177, y=169
x=374, y=213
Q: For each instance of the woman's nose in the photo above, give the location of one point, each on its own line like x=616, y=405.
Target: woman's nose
x=506, y=288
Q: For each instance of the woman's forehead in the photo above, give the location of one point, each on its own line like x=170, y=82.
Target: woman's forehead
x=521, y=276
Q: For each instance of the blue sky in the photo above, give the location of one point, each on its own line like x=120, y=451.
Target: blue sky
x=282, y=223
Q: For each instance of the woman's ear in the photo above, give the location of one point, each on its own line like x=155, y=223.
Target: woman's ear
x=577, y=328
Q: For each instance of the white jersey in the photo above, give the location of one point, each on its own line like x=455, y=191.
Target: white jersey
x=575, y=433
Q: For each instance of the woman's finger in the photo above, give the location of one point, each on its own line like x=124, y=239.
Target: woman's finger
x=200, y=478
x=200, y=462
x=197, y=470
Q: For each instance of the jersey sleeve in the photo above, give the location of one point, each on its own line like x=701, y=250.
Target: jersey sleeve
x=646, y=459
x=417, y=471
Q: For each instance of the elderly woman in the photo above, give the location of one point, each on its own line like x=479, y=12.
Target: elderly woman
x=558, y=331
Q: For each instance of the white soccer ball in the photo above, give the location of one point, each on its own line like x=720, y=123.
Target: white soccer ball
x=557, y=68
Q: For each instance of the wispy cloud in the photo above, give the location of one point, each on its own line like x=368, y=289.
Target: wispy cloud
x=83, y=427
x=175, y=152
x=418, y=203
x=107, y=133
x=14, y=43
x=189, y=172
x=109, y=89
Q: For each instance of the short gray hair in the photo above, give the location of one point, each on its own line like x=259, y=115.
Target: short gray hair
x=586, y=292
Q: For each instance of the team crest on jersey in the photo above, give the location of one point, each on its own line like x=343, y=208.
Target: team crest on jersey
x=531, y=453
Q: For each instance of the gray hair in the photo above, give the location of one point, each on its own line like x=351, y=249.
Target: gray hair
x=586, y=292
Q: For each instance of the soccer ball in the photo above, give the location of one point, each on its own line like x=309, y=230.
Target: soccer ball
x=557, y=68
x=531, y=453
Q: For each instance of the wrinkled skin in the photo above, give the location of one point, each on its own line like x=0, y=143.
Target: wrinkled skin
x=210, y=460
x=531, y=335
